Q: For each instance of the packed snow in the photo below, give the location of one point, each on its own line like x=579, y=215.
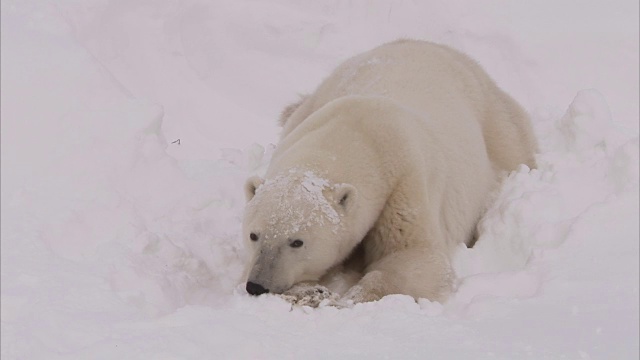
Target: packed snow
x=130, y=127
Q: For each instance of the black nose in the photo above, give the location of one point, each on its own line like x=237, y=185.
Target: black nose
x=255, y=289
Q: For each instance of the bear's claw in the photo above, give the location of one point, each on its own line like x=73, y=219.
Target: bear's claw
x=310, y=295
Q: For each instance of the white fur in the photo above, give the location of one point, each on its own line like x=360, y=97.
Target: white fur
x=417, y=136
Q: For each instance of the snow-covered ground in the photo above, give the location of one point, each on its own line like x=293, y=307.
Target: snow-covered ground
x=121, y=242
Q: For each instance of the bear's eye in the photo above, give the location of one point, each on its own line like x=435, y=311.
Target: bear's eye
x=253, y=237
x=296, y=243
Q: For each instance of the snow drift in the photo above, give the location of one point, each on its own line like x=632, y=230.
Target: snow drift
x=129, y=128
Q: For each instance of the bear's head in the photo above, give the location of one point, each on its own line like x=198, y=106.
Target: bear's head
x=297, y=226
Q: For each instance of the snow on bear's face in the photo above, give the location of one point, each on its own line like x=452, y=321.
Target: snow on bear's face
x=297, y=227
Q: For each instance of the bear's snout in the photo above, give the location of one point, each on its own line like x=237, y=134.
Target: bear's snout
x=256, y=289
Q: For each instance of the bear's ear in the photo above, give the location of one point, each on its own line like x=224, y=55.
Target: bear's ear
x=345, y=196
x=253, y=183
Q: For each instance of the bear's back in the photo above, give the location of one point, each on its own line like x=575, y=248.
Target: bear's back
x=427, y=77
x=443, y=84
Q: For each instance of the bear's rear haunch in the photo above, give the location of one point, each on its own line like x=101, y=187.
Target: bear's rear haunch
x=380, y=174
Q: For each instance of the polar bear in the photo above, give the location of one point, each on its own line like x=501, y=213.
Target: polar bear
x=380, y=174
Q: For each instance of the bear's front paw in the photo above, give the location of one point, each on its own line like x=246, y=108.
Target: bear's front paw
x=309, y=295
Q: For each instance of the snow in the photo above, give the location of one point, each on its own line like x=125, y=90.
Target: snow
x=118, y=241
x=294, y=201
x=314, y=187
